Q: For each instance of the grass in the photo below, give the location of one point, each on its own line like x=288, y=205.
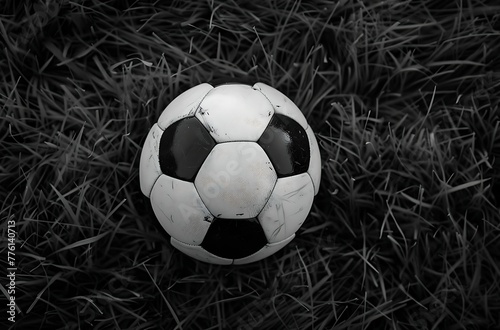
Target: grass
x=404, y=98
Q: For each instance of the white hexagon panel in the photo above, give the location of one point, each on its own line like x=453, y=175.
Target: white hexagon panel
x=184, y=105
x=235, y=112
x=287, y=207
x=282, y=104
x=314, y=161
x=149, y=168
x=179, y=210
x=236, y=180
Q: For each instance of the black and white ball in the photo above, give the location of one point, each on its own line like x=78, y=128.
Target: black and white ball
x=231, y=171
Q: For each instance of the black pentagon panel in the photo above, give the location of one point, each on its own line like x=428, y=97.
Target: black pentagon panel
x=234, y=238
x=287, y=146
x=184, y=146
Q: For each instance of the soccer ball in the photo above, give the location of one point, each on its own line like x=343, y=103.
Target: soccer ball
x=231, y=171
